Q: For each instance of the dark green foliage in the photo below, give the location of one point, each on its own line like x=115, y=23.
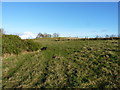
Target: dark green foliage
x=13, y=44
x=31, y=45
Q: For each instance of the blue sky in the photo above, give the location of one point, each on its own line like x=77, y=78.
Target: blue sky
x=66, y=18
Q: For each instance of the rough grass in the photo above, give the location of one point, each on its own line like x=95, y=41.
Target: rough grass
x=65, y=64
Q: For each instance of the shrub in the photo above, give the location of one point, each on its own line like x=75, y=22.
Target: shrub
x=14, y=44
x=11, y=44
x=31, y=45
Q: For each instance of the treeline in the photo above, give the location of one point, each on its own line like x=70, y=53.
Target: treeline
x=13, y=44
x=45, y=35
x=106, y=37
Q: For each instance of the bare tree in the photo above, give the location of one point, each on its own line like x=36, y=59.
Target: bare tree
x=2, y=31
x=40, y=35
x=49, y=35
x=45, y=35
x=118, y=35
x=112, y=35
x=107, y=36
x=55, y=35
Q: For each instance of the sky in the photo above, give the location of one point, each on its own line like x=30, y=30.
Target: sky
x=60, y=0
x=75, y=19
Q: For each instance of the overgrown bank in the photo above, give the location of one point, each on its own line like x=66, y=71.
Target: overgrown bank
x=13, y=44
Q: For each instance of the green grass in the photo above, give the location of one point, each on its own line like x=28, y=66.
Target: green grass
x=65, y=64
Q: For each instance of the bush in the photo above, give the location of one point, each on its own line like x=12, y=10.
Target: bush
x=11, y=44
x=31, y=45
x=14, y=44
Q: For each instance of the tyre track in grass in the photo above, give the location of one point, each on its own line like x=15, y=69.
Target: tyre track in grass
x=12, y=61
x=28, y=70
x=41, y=79
x=12, y=70
x=52, y=70
x=11, y=77
x=36, y=73
x=56, y=77
x=39, y=70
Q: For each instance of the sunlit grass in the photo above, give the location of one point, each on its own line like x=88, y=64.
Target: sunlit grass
x=74, y=63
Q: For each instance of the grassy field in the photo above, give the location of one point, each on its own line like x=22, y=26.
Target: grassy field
x=64, y=64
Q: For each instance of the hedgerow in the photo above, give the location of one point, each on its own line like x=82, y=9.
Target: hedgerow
x=13, y=44
x=31, y=45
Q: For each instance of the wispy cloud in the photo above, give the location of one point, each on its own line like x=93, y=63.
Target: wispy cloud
x=28, y=35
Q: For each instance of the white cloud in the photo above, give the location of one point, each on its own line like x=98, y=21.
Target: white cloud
x=28, y=35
